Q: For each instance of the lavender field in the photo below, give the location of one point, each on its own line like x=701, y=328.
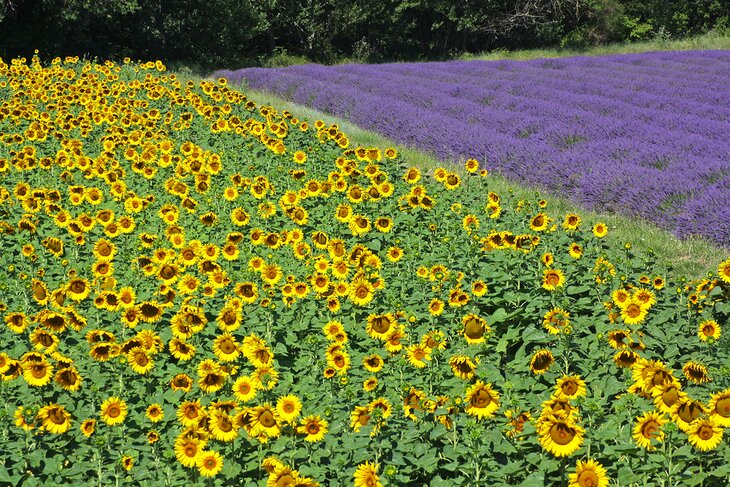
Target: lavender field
x=645, y=135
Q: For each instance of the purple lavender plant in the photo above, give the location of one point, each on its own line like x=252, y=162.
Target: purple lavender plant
x=646, y=135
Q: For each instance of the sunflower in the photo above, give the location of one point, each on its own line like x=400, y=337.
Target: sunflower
x=244, y=389
x=16, y=322
x=552, y=279
x=44, y=340
x=540, y=222
x=685, y=412
x=619, y=339
x=633, y=313
x=366, y=475
x=4, y=362
x=222, y=427
x=370, y=384
x=209, y=463
x=517, y=420
x=113, y=411
x=705, y=434
x=667, y=395
x=559, y=406
x=257, y=352
x=541, y=361
x=140, y=362
x=333, y=329
x=709, y=330
x=181, y=382
x=212, y=381
x=557, y=321
x=625, y=358
x=475, y=329
x=339, y=360
x=37, y=374
x=13, y=370
x=359, y=225
x=288, y=408
x=645, y=297
x=88, y=426
x=650, y=374
x=102, y=269
x=600, y=230
x=463, y=367
x=588, y=474
x=383, y=224
x=78, y=289
x=380, y=326
x=40, y=292
x=150, y=311
x=394, y=254
x=181, y=350
x=68, y=378
x=153, y=437
x=54, y=419
x=188, y=450
x=226, y=348
x=155, y=413
x=570, y=387
x=436, y=307
x=560, y=436
x=127, y=462
x=482, y=401
x=696, y=372
x=575, y=250
x=104, y=351
x=719, y=408
x=263, y=421
x=648, y=427
x=723, y=270
x=314, y=427
x=189, y=413
x=373, y=363
x=418, y=355
x=393, y=343
x=104, y=250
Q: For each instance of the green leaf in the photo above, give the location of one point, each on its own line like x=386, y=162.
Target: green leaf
x=535, y=478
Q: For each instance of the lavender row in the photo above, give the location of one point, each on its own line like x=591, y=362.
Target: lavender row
x=645, y=135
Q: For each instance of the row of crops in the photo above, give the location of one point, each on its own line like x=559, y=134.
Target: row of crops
x=643, y=135
x=198, y=290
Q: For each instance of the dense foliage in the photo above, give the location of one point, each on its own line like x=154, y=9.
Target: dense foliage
x=195, y=287
x=643, y=135
x=234, y=33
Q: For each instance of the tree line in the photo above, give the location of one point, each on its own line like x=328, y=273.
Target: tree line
x=209, y=34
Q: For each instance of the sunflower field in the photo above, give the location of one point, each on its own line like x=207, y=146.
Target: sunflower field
x=197, y=290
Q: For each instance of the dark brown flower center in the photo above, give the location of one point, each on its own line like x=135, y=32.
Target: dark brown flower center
x=705, y=432
x=481, y=399
x=266, y=418
x=588, y=478
x=113, y=411
x=56, y=416
x=722, y=407
x=562, y=434
x=552, y=279
x=650, y=429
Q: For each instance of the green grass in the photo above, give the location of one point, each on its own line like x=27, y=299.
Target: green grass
x=708, y=41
